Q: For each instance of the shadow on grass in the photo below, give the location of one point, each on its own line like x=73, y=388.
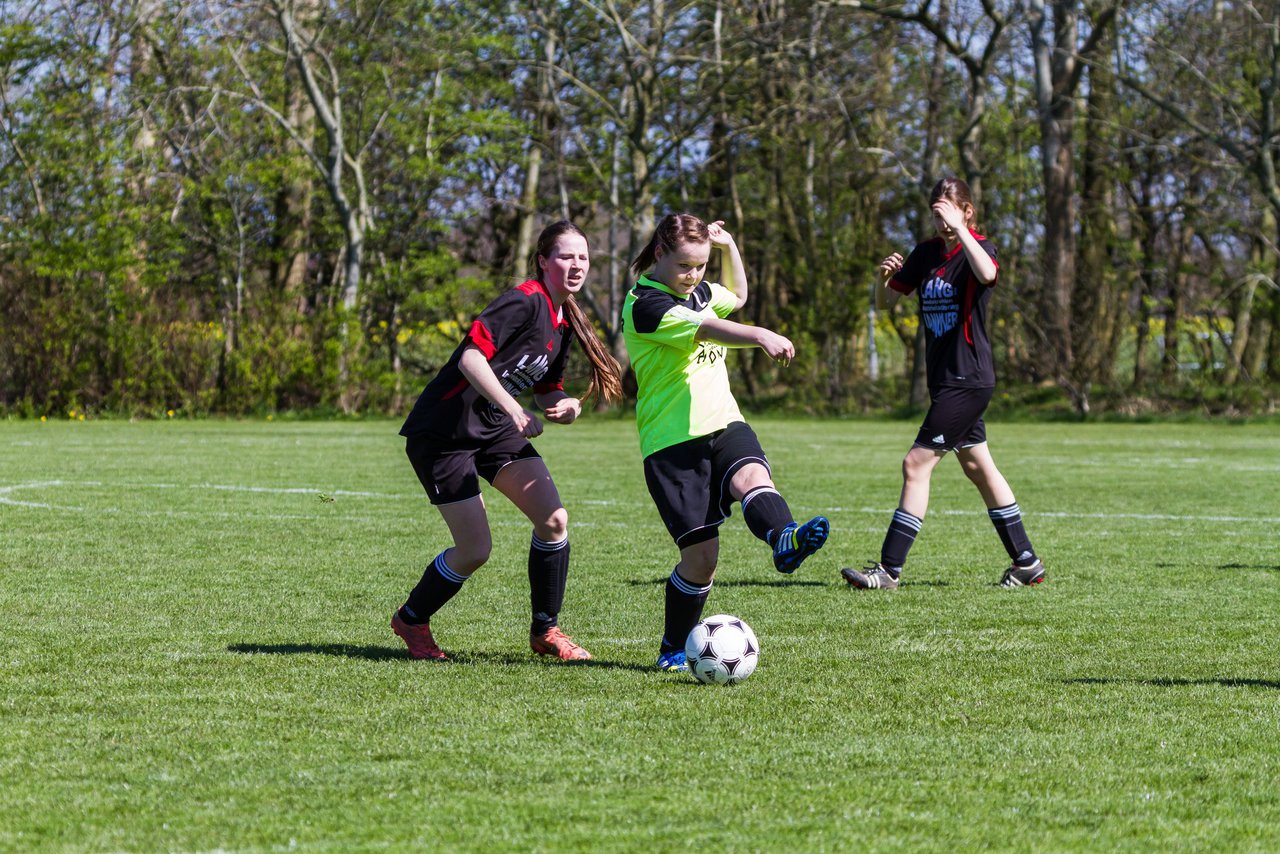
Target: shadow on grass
x=747, y=582
x=382, y=653
x=341, y=650
x=1165, y=682
x=1266, y=566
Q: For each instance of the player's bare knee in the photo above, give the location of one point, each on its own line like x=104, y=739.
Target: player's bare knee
x=466, y=559
x=555, y=528
x=749, y=477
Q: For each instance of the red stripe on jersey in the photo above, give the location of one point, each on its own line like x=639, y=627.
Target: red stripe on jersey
x=480, y=337
x=968, y=307
x=455, y=390
x=898, y=286
x=533, y=286
x=547, y=388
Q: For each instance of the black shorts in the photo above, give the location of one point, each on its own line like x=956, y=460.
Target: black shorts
x=690, y=481
x=448, y=470
x=954, y=419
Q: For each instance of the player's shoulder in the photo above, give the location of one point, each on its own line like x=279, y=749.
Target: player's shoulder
x=985, y=242
x=703, y=295
x=648, y=305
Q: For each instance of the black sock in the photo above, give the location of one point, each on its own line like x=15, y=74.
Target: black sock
x=684, y=609
x=766, y=512
x=898, y=540
x=439, y=584
x=548, y=573
x=1008, y=522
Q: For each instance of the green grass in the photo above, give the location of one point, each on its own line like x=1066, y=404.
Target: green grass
x=197, y=657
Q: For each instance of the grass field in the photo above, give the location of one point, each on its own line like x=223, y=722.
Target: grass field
x=197, y=654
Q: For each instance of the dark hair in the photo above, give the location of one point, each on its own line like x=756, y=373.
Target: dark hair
x=672, y=230
x=606, y=374
x=957, y=192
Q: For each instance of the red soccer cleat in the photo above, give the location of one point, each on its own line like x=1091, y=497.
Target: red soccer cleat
x=418, y=638
x=557, y=643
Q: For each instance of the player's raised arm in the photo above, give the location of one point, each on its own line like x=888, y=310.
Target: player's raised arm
x=732, y=271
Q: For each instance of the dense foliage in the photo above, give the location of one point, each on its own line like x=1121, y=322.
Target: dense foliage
x=245, y=205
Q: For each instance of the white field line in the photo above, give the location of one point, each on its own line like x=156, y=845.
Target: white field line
x=7, y=499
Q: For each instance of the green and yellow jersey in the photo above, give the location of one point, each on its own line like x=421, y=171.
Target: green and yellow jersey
x=683, y=383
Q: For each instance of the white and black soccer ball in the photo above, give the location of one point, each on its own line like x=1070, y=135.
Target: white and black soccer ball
x=722, y=650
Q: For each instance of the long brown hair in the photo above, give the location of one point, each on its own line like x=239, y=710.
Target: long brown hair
x=957, y=192
x=672, y=230
x=606, y=374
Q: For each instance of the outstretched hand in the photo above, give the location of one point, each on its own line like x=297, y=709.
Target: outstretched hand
x=889, y=267
x=777, y=347
x=563, y=411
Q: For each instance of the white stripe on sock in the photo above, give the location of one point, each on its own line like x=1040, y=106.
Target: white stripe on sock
x=445, y=572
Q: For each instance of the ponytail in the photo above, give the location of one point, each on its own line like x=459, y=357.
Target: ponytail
x=606, y=374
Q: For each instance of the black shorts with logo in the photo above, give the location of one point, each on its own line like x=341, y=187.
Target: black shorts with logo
x=954, y=419
x=689, y=482
x=448, y=469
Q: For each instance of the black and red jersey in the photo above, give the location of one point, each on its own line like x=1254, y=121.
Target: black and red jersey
x=526, y=341
x=953, y=309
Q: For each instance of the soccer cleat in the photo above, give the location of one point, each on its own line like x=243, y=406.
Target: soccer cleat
x=797, y=542
x=418, y=638
x=557, y=643
x=873, y=576
x=1023, y=576
x=673, y=662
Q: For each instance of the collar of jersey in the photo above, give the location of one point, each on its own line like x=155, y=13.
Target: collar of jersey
x=531, y=285
x=646, y=282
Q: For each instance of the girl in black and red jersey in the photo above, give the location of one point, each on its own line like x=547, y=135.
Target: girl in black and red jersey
x=953, y=274
x=467, y=424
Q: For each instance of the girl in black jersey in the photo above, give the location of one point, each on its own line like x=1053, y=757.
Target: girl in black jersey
x=467, y=424
x=953, y=274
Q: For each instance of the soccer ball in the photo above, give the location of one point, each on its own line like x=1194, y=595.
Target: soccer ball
x=722, y=650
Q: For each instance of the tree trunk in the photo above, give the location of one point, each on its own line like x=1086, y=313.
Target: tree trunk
x=1056, y=109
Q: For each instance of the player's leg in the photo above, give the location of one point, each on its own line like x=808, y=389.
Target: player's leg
x=917, y=473
x=680, y=483
x=739, y=461
x=951, y=416
x=443, y=578
x=528, y=484
x=448, y=475
x=685, y=595
x=1025, y=567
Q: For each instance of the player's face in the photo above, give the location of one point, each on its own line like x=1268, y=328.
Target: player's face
x=565, y=270
x=682, y=268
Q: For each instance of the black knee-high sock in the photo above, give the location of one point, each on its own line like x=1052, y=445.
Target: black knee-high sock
x=1008, y=522
x=766, y=512
x=898, y=540
x=439, y=584
x=548, y=573
x=684, y=609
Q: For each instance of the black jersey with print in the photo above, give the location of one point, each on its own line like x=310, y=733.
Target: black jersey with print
x=526, y=342
x=953, y=309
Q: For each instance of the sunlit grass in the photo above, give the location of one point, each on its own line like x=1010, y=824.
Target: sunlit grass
x=197, y=654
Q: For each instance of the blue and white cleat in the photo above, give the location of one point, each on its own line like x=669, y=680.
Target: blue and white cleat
x=797, y=542
x=673, y=662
